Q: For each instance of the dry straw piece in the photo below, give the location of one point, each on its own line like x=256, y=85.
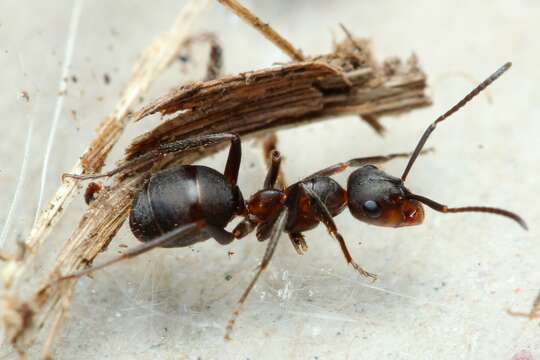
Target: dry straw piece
x=347, y=81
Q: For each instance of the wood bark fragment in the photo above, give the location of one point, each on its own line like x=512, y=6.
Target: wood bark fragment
x=347, y=81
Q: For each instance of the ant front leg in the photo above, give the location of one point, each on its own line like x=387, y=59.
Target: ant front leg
x=324, y=215
x=278, y=226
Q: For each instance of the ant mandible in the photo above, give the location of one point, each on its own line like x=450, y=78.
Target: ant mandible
x=183, y=205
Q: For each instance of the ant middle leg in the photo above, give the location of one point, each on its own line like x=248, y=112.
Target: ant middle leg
x=324, y=215
x=275, y=173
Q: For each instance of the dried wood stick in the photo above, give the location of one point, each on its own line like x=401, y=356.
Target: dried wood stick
x=265, y=29
x=284, y=96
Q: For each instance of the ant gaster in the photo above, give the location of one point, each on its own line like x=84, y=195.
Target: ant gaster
x=183, y=205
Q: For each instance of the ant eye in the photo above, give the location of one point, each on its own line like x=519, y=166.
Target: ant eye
x=372, y=209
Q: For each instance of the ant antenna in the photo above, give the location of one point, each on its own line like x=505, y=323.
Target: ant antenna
x=443, y=208
x=481, y=209
x=455, y=108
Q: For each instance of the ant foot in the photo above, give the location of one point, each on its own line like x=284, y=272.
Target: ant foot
x=364, y=272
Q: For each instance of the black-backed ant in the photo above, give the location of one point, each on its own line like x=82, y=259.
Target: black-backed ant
x=187, y=204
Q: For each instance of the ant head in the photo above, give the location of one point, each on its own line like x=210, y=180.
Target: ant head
x=381, y=199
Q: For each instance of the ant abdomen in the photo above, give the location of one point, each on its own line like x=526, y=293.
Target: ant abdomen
x=179, y=196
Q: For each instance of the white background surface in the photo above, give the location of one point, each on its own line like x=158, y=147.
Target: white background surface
x=443, y=287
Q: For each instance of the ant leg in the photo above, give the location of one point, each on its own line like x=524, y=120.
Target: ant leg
x=235, y=151
x=483, y=209
x=299, y=243
x=325, y=217
x=232, y=168
x=277, y=228
x=134, y=164
x=141, y=249
x=270, y=153
x=265, y=229
x=192, y=143
x=358, y=162
x=274, y=171
x=246, y=226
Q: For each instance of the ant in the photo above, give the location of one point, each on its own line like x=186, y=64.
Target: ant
x=187, y=204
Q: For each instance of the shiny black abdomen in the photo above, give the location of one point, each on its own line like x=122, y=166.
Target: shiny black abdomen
x=180, y=196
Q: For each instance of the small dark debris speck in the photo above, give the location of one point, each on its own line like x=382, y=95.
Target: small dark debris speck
x=91, y=190
x=106, y=78
x=24, y=95
x=228, y=277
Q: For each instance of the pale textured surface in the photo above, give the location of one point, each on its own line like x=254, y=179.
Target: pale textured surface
x=443, y=288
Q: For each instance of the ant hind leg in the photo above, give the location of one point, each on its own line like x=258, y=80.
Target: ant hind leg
x=231, y=169
x=141, y=249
